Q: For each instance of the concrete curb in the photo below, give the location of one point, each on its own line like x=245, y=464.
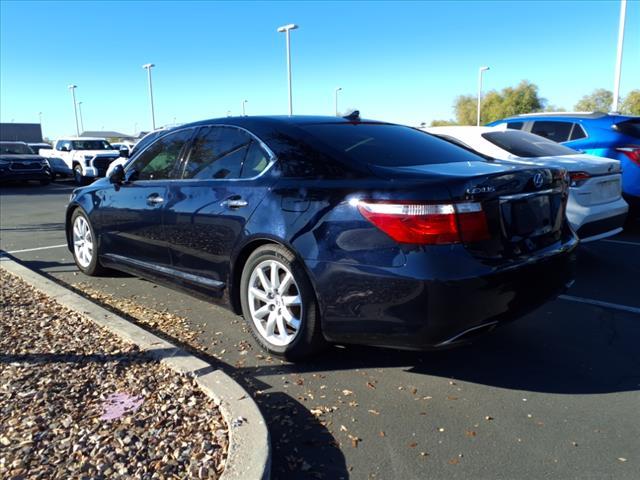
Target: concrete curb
x=249, y=455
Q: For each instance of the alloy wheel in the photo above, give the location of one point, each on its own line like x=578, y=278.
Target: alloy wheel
x=275, y=302
x=82, y=242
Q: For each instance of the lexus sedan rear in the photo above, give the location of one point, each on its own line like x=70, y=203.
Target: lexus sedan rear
x=319, y=229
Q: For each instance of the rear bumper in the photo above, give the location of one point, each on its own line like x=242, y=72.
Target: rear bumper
x=596, y=220
x=384, y=308
x=604, y=228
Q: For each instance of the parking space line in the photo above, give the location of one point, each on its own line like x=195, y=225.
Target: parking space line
x=32, y=249
x=600, y=303
x=622, y=242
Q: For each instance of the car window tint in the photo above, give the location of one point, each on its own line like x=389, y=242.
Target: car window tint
x=577, y=132
x=255, y=162
x=387, y=145
x=556, y=131
x=515, y=125
x=629, y=127
x=159, y=160
x=523, y=144
x=217, y=153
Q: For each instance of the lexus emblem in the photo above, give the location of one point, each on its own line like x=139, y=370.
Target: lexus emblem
x=538, y=180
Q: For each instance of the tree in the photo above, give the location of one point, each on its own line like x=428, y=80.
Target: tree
x=600, y=100
x=631, y=103
x=496, y=105
x=442, y=123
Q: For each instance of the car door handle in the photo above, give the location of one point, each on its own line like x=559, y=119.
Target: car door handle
x=234, y=202
x=154, y=199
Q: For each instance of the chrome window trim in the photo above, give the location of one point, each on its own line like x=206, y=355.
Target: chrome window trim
x=272, y=156
x=520, y=196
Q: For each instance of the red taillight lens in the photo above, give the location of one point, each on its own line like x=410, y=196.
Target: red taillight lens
x=631, y=151
x=578, y=178
x=426, y=224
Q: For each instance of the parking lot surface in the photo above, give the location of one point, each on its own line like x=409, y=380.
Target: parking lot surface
x=554, y=395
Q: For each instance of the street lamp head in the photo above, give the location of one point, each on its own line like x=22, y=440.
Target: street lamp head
x=148, y=65
x=71, y=87
x=338, y=89
x=484, y=69
x=290, y=26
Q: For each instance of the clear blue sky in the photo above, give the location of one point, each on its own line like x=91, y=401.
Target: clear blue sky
x=397, y=61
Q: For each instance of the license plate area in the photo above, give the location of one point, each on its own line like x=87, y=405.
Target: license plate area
x=527, y=217
x=606, y=191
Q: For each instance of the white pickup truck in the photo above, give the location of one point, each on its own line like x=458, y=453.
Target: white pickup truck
x=84, y=158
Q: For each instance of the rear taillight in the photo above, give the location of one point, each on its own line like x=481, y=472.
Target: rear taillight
x=631, y=151
x=578, y=178
x=427, y=224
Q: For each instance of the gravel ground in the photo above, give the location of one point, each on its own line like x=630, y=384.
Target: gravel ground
x=77, y=402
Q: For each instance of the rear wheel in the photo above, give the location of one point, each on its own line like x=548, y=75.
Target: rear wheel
x=85, y=250
x=279, y=304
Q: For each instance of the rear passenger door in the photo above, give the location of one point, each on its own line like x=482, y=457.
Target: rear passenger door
x=221, y=184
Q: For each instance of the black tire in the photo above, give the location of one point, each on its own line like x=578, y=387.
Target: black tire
x=93, y=268
x=78, y=177
x=309, y=339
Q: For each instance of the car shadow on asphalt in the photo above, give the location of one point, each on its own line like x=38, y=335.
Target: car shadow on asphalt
x=33, y=188
x=578, y=349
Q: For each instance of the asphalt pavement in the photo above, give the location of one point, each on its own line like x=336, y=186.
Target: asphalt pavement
x=555, y=395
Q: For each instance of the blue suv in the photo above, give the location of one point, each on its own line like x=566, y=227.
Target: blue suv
x=601, y=134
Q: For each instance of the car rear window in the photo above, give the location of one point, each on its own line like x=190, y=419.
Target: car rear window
x=523, y=144
x=387, y=145
x=630, y=127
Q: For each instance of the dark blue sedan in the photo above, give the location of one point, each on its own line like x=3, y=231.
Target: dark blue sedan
x=324, y=229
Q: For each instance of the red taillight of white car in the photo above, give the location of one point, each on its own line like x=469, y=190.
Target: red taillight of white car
x=578, y=178
x=427, y=224
x=631, y=151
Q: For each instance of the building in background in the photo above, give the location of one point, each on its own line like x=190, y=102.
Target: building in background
x=21, y=132
x=109, y=135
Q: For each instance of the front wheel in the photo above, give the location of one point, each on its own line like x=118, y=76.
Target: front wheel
x=279, y=304
x=78, y=176
x=85, y=249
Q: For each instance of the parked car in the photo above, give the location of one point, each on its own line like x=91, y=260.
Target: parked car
x=140, y=144
x=19, y=163
x=84, y=158
x=595, y=209
x=36, y=147
x=124, y=146
x=321, y=229
x=600, y=134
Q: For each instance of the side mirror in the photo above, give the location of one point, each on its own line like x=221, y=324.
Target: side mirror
x=124, y=152
x=117, y=175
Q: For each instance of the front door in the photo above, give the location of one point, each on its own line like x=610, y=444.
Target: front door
x=221, y=186
x=132, y=213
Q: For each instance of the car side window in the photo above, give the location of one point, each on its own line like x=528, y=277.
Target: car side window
x=255, y=162
x=159, y=161
x=63, y=143
x=515, y=125
x=577, y=132
x=556, y=131
x=217, y=153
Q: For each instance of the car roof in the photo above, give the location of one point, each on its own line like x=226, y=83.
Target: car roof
x=277, y=121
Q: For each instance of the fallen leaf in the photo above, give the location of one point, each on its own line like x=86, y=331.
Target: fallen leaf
x=454, y=461
x=373, y=412
x=423, y=454
x=343, y=428
x=470, y=433
x=381, y=433
x=413, y=445
x=346, y=393
x=622, y=459
x=371, y=385
x=488, y=418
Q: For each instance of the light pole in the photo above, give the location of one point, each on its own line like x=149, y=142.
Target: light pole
x=481, y=70
x=80, y=112
x=148, y=67
x=287, y=30
x=40, y=117
x=75, y=110
x=336, y=95
x=616, y=82
x=244, y=102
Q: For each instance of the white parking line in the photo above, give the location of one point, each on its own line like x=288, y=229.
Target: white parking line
x=622, y=242
x=32, y=249
x=599, y=303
